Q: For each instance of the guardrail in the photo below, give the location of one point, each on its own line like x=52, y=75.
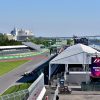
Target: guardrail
x=90, y=86
x=35, y=91
x=25, y=55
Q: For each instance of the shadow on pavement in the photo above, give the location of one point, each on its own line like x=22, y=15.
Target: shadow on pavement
x=26, y=79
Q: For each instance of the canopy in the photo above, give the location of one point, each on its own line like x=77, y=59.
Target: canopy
x=76, y=54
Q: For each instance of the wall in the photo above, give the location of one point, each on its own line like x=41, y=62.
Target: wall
x=78, y=77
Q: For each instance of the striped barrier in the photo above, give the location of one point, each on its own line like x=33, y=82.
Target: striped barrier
x=22, y=56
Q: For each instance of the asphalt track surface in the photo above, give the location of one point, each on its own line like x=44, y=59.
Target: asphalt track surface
x=13, y=76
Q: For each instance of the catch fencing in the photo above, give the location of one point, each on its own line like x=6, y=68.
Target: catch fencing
x=20, y=95
x=32, y=93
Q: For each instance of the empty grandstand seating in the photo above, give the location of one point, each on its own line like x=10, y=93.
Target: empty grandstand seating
x=32, y=45
x=13, y=51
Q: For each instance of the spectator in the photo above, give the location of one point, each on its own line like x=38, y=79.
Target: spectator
x=57, y=97
x=46, y=98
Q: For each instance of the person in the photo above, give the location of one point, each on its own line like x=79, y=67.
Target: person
x=46, y=98
x=57, y=97
x=51, y=51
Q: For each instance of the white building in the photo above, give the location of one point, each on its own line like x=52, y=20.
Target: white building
x=21, y=35
x=10, y=36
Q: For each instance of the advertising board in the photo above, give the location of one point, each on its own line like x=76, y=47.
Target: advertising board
x=95, y=67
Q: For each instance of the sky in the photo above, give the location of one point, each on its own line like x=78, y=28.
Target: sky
x=51, y=18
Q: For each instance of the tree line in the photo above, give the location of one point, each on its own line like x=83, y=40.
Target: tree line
x=4, y=41
x=43, y=41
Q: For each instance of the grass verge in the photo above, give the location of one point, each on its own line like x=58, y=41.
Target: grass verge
x=16, y=88
x=8, y=66
x=19, y=87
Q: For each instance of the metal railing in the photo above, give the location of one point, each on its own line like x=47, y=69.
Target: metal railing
x=32, y=92
x=90, y=86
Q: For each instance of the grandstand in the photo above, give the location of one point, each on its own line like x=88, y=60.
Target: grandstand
x=32, y=45
x=8, y=50
x=27, y=47
x=13, y=47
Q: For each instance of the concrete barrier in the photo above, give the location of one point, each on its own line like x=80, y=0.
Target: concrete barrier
x=37, y=89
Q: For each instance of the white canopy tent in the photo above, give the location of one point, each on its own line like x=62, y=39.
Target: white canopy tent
x=76, y=54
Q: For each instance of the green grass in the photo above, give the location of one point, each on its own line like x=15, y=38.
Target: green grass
x=8, y=66
x=17, y=88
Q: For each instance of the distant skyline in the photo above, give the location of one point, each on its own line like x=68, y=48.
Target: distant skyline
x=61, y=18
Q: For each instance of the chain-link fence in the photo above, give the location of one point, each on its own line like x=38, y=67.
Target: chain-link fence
x=90, y=86
x=32, y=93
x=20, y=95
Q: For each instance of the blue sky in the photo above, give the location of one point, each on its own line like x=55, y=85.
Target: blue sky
x=51, y=17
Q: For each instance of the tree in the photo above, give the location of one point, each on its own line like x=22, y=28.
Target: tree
x=69, y=41
x=44, y=41
x=4, y=41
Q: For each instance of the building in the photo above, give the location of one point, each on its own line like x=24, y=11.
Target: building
x=81, y=40
x=21, y=35
x=10, y=36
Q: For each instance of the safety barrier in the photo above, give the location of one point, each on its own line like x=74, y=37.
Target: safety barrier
x=90, y=86
x=56, y=93
x=20, y=95
x=34, y=92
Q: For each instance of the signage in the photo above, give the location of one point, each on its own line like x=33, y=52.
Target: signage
x=95, y=67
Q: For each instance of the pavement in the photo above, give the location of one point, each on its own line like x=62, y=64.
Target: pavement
x=13, y=76
x=80, y=95
x=49, y=92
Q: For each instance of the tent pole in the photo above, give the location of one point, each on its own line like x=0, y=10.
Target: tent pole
x=86, y=74
x=84, y=67
x=66, y=67
x=87, y=69
x=65, y=73
x=66, y=70
x=49, y=71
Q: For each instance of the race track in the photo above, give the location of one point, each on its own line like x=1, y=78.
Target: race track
x=11, y=77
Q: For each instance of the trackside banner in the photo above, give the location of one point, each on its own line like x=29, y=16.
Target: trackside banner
x=95, y=67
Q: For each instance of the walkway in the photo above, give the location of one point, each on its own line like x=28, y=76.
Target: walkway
x=49, y=92
x=80, y=95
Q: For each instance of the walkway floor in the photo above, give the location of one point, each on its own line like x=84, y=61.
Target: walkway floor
x=80, y=95
x=49, y=92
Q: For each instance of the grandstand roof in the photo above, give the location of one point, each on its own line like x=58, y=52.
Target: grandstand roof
x=32, y=45
x=12, y=47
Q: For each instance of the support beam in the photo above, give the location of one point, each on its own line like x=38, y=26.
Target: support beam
x=66, y=67
x=66, y=70
x=84, y=69
x=49, y=71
